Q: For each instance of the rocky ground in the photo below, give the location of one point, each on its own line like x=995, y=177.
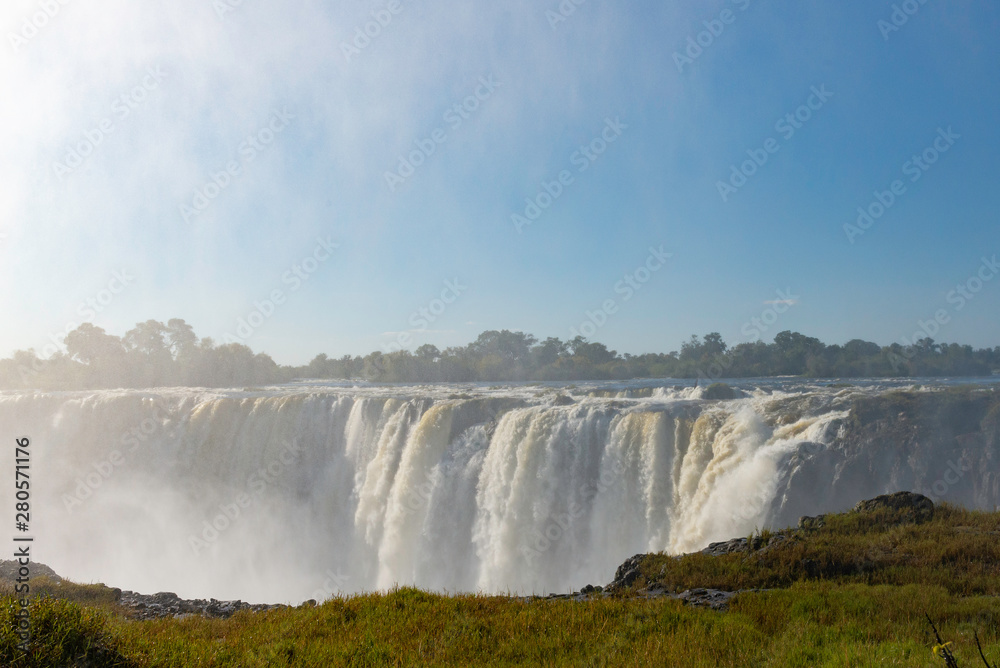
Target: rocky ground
x=699, y=598
x=139, y=606
x=914, y=507
x=8, y=571
x=167, y=604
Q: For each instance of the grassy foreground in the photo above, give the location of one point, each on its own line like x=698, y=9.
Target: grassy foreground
x=850, y=593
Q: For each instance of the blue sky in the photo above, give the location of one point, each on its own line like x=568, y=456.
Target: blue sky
x=196, y=85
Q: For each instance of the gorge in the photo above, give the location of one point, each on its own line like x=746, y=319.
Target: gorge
x=307, y=490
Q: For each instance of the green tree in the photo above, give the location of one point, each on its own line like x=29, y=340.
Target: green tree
x=548, y=351
x=428, y=352
x=147, y=341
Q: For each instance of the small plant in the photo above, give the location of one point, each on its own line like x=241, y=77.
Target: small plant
x=943, y=649
x=759, y=537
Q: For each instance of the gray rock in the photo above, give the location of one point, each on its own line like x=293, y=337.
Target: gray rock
x=9, y=571
x=720, y=391
x=912, y=506
x=168, y=604
x=727, y=547
x=627, y=573
x=707, y=598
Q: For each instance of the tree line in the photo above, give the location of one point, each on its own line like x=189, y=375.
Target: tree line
x=154, y=354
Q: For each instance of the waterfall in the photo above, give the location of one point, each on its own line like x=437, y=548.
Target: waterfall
x=273, y=494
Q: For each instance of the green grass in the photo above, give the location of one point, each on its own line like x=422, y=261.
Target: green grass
x=809, y=624
x=864, y=605
x=64, y=631
x=958, y=550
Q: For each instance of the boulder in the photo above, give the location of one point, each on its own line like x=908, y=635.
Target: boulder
x=727, y=547
x=9, y=571
x=807, y=523
x=719, y=391
x=627, y=573
x=912, y=506
x=714, y=599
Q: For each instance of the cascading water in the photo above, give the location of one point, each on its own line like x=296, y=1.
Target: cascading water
x=294, y=492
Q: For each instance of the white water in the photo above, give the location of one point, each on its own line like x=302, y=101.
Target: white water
x=347, y=489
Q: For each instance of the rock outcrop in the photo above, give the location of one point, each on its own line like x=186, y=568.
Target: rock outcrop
x=168, y=604
x=627, y=573
x=8, y=571
x=909, y=505
x=944, y=444
x=144, y=606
